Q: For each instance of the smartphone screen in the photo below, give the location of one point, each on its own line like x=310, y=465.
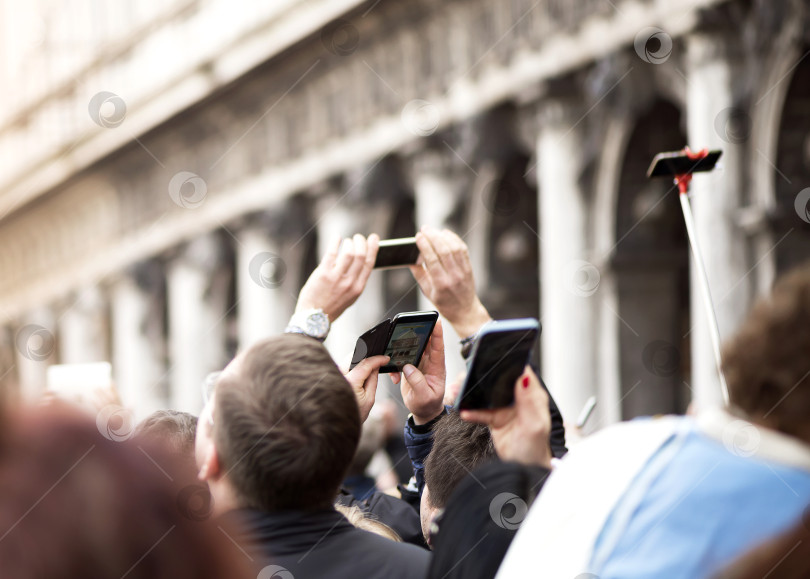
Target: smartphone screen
x=498, y=359
x=397, y=253
x=407, y=340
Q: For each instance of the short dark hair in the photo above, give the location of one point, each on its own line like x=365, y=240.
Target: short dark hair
x=286, y=425
x=172, y=426
x=767, y=360
x=459, y=447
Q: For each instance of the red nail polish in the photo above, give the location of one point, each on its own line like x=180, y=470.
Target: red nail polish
x=525, y=381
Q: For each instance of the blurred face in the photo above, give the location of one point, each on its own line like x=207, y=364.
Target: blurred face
x=426, y=513
x=204, y=439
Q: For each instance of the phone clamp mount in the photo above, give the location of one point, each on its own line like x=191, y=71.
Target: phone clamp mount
x=664, y=165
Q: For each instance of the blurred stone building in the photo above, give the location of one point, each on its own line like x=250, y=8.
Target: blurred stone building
x=170, y=172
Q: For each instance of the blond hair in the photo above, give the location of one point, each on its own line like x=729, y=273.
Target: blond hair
x=365, y=521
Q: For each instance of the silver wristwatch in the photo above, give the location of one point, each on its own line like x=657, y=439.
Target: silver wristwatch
x=312, y=323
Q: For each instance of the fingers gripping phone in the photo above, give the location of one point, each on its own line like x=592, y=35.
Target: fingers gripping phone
x=397, y=253
x=497, y=360
x=403, y=339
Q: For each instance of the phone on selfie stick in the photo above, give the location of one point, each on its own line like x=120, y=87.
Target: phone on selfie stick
x=498, y=358
x=673, y=163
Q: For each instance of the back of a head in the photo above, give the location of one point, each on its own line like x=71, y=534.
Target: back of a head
x=174, y=427
x=767, y=360
x=76, y=504
x=286, y=425
x=458, y=448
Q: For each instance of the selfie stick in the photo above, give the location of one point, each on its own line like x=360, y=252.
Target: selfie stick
x=683, y=181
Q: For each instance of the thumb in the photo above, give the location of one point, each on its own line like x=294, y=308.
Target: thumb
x=414, y=377
x=366, y=366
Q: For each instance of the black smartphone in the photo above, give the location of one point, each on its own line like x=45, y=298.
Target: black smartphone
x=397, y=253
x=407, y=339
x=676, y=163
x=498, y=357
x=403, y=339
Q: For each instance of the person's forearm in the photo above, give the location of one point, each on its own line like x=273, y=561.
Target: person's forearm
x=471, y=321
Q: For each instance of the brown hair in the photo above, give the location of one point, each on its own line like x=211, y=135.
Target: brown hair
x=76, y=504
x=766, y=364
x=782, y=551
x=286, y=425
x=458, y=448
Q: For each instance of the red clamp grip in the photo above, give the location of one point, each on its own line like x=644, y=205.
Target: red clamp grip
x=682, y=181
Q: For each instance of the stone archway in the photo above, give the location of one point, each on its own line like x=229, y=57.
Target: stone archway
x=513, y=246
x=792, y=179
x=650, y=266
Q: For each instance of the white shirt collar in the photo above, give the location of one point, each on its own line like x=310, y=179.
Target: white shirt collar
x=746, y=439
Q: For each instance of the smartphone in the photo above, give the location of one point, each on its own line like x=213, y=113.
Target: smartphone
x=586, y=412
x=77, y=382
x=407, y=339
x=498, y=358
x=403, y=339
x=397, y=253
x=676, y=163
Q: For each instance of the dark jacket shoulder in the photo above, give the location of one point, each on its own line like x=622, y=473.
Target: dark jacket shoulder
x=324, y=544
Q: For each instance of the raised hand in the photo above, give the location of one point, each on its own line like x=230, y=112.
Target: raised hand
x=423, y=388
x=341, y=276
x=520, y=432
x=445, y=276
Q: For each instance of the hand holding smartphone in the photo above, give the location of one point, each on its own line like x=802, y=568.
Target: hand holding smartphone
x=80, y=384
x=403, y=339
x=498, y=357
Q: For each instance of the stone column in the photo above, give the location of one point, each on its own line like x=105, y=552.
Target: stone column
x=9, y=381
x=716, y=199
x=336, y=216
x=262, y=306
x=568, y=280
x=436, y=190
x=197, y=298
x=35, y=344
x=83, y=328
x=137, y=339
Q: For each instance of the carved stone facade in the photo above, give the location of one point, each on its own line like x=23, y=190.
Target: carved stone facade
x=524, y=126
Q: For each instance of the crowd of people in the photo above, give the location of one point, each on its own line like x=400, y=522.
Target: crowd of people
x=268, y=481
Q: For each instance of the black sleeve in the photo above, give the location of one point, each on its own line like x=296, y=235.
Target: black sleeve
x=557, y=435
x=396, y=513
x=486, y=508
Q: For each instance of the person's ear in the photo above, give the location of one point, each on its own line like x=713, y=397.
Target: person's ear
x=210, y=469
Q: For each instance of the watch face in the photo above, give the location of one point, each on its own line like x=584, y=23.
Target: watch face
x=318, y=325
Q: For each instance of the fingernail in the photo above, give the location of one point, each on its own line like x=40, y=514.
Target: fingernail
x=525, y=381
x=408, y=370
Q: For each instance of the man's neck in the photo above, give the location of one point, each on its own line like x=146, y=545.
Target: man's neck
x=223, y=497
